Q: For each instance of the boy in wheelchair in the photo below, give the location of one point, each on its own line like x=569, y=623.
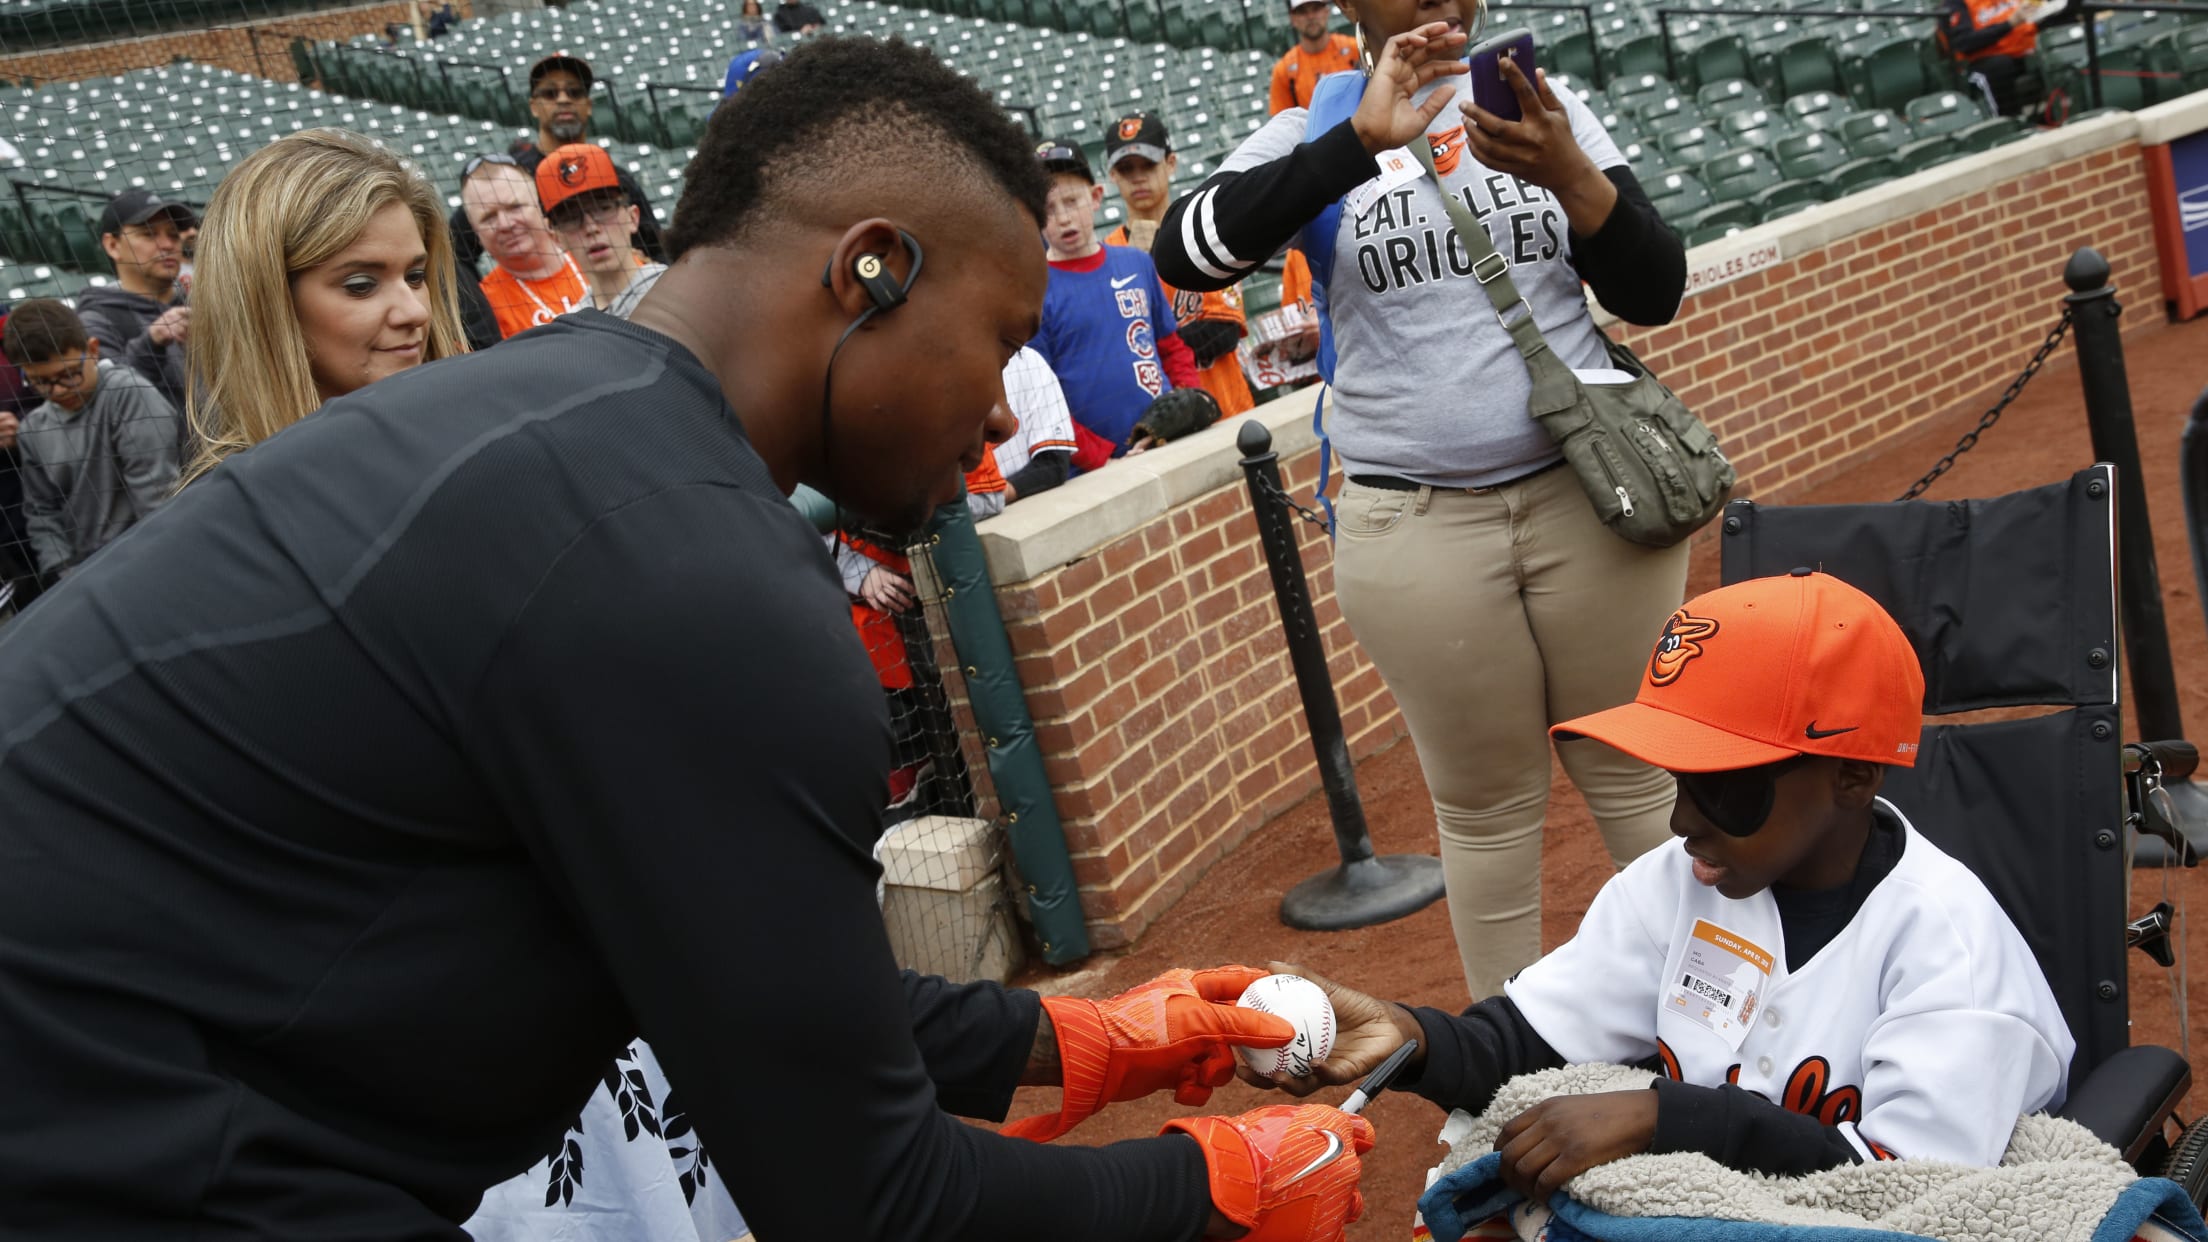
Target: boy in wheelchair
x=1817, y=983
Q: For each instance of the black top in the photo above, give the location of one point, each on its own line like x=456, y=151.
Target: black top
x=1470, y=1056
x=366, y=799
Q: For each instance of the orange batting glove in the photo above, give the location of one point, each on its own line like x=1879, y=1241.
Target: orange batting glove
x=1287, y=1173
x=1178, y=1031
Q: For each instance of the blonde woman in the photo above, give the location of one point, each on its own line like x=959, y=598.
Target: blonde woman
x=323, y=266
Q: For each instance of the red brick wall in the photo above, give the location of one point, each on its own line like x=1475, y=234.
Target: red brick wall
x=228, y=47
x=1155, y=668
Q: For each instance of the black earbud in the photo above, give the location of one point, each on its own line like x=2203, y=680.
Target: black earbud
x=885, y=291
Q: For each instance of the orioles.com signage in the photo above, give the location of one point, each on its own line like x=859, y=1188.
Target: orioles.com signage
x=1722, y=268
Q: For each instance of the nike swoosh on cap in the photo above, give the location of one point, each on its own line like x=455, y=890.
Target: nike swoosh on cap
x=1814, y=732
x=1121, y=283
x=1332, y=1153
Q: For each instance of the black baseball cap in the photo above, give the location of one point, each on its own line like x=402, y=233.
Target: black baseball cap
x=1063, y=155
x=136, y=206
x=1137, y=133
x=564, y=62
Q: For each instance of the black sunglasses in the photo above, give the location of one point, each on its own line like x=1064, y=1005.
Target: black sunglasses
x=560, y=92
x=1738, y=802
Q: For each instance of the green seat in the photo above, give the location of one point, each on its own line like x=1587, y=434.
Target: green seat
x=1925, y=152
x=1804, y=65
x=1738, y=215
x=1892, y=73
x=1758, y=128
x=1740, y=176
x=1990, y=133
x=1716, y=59
x=1706, y=233
x=1778, y=210
x=1669, y=114
x=1677, y=196
x=1694, y=146
x=1574, y=55
x=1731, y=95
x=1806, y=156
x=1638, y=54
x=1631, y=95
x=1945, y=113
x=1789, y=194
x=1819, y=110
x=1862, y=174
x=1875, y=133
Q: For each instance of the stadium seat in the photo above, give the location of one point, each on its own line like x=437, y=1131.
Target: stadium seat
x=1803, y=65
x=1574, y=54
x=1875, y=133
x=1669, y=114
x=1925, y=152
x=1755, y=127
x=1804, y=156
x=1731, y=95
x=1678, y=196
x=1705, y=233
x=1635, y=55
x=1631, y=94
x=1820, y=110
x=1891, y=73
x=1740, y=176
x=1945, y=113
x=1740, y=215
x=1694, y=146
x=1990, y=133
x=1864, y=173
x=1716, y=58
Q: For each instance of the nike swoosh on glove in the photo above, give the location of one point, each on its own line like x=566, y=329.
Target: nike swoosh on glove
x=1288, y=1172
x=1177, y=1032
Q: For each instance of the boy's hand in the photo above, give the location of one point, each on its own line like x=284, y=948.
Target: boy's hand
x=1560, y=1138
x=1365, y=1032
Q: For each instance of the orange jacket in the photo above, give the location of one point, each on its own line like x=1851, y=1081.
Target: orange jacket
x=1295, y=74
x=1970, y=16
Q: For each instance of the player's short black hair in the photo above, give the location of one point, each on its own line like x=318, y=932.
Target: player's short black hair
x=838, y=108
x=41, y=330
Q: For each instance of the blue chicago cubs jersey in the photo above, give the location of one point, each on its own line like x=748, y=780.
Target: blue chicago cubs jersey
x=1099, y=335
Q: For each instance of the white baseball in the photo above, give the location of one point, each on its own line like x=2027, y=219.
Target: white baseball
x=1305, y=1006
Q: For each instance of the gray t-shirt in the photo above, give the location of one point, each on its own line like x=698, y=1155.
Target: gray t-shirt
x=91, y=474
x=1427, y=385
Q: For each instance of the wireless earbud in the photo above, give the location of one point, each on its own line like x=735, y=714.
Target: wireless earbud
x=872, y=273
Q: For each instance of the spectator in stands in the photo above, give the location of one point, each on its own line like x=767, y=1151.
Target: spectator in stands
x=100, y=453
x=18, y=568
x=753, y=26
x=559, y=102
x=328, y=269
x=535, y=281
x=1991, y=39
x=797, y=17
x=435, y=747
x=1101, y=317
x=1040, y=453
x=1139, y=158
x=442, y=19
x=1473, y=569
x=596, y=223
x=1316, y=54
x=142, y=319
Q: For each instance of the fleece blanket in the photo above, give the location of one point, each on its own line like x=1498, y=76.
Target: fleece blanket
x=2057, y=1183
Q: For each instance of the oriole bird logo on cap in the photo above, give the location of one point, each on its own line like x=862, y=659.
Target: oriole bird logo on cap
x=1682, y=639
x=1129, y=127
x=571, y=172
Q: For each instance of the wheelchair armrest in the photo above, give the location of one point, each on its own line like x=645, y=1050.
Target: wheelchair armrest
x=2177, y=757
x=2126, y=1098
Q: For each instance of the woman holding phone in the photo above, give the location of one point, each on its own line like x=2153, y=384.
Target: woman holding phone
x=1469, y=563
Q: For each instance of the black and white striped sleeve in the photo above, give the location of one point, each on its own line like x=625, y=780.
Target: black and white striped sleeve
x=1267, y=190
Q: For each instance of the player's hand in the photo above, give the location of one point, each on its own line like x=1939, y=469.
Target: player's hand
x=1560, y=1138
x=1366, y=1030
x=172, y=327
x=8, y=426
x=1386, y=118
x=1177, y=1032
x=1540, y=147
x=1286, y=1173
x=887, y=590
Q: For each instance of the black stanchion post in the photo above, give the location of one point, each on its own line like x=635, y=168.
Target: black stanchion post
x=2094, y=322
x=1364, y=889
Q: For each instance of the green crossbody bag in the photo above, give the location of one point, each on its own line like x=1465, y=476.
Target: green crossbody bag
x=1654, y=473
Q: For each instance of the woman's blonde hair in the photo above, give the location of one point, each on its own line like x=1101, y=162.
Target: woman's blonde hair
x=293, y=204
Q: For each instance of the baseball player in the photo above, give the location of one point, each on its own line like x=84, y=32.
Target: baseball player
x=1140, y=160
x=1818, y=983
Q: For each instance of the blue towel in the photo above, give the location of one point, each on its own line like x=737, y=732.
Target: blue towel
x=1476, y=1192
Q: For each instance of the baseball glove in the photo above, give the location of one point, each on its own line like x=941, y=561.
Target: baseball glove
x=1181, y=412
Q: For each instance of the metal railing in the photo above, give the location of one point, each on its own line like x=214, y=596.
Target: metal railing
x=1671, y=57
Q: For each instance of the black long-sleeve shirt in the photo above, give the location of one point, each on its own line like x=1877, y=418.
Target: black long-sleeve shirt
x=1469, y=1056
x=1635, y=264
x=357, y=807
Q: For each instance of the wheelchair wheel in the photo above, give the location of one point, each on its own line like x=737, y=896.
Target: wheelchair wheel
x=2188, y=1163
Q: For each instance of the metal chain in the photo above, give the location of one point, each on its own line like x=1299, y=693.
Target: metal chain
x=1309, y=515
x=1992, y=416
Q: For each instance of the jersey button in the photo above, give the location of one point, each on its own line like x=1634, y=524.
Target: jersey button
x=1763, y=1066
x=1772, y=1016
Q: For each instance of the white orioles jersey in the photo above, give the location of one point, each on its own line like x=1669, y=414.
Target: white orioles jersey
x=1922, y=1031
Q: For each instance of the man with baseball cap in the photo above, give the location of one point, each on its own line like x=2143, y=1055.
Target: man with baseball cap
x=1139, y=158
x=1316, y=54
x=142, y=318
x=596, y=223
x=1107, y=329
x=1820, y=983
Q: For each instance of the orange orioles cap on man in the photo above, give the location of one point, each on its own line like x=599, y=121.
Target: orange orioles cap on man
x=1767, y=669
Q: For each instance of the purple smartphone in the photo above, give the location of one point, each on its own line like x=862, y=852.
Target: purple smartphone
x=1490, y=89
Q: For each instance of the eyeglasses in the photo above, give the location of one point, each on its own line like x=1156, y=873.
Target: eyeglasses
x=1738, y=802
x=568, y=217
x=560, y=92
x=60, y=381
x=474, y=165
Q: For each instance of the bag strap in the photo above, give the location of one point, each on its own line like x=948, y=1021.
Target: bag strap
x=1554, y=385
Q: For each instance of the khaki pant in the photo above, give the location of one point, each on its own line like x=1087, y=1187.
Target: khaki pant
x=1492, y=615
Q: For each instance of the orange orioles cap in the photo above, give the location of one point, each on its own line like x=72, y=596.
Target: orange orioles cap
x=577, y=168
x=1764, y=670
